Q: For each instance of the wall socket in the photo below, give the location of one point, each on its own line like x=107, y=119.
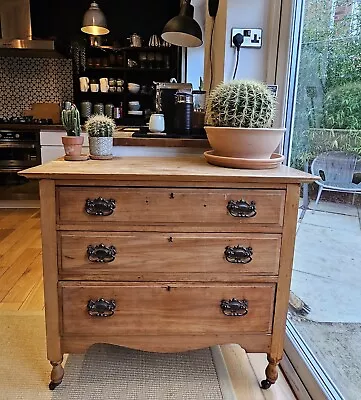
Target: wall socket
x=252, y=37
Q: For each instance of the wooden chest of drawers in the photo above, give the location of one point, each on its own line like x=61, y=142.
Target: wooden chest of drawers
x=166, y=255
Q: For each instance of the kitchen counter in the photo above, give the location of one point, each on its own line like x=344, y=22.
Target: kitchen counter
x=29, y=127
x=121, y=138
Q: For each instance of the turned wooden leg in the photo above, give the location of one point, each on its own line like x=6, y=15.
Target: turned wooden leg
x=271, y=373
x=57, y=374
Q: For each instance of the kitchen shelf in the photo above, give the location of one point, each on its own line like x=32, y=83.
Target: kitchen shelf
x=145, y=48
x=128, y=69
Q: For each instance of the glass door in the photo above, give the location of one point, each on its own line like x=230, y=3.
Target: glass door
x=324, y=137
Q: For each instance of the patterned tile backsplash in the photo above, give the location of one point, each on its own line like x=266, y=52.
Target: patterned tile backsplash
x=24, y=81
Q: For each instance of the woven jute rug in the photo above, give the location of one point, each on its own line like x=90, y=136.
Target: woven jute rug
x=105, y=371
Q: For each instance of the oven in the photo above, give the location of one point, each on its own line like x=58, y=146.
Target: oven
x=19, y=149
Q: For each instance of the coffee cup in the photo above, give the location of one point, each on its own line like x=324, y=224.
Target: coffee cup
x=84, y=84
x=156, y=123
x=94, y=87
x=104, y=85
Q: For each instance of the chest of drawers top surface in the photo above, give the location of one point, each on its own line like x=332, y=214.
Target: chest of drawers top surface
x=164, y=169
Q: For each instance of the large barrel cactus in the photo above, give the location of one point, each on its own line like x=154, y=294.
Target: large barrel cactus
x=241, y=104
x=100, y=126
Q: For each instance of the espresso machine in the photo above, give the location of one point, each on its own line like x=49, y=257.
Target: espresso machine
x=174, y=101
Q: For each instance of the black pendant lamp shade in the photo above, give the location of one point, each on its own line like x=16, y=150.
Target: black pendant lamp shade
x=183, y=30
x=94, y=22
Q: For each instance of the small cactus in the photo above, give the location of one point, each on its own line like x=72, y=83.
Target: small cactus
x=241, y=104
x=100, y=126
x=71, y=120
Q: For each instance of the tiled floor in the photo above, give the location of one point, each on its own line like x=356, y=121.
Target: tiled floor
x=327, y=262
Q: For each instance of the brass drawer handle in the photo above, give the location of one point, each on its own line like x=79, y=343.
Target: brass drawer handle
x=238, y=254
x=242, y=209
x=234, y=307
x=101, y=253
x=100, y=207
x=101, y=308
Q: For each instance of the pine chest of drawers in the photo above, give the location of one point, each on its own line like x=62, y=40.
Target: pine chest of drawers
x=166, y=254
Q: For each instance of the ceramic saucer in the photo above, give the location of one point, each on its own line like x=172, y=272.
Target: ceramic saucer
x=246, y=163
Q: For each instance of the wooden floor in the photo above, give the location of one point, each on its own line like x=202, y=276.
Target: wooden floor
x=21, y=290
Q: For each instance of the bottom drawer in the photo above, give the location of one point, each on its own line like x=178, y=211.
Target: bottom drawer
x=165, y=308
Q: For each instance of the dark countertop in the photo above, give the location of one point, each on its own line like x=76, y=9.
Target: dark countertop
x=34, y=127
x=121, y=138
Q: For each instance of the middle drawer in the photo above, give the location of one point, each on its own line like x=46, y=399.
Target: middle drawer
x=135, y=255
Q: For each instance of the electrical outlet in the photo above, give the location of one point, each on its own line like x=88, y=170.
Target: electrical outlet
x=252, y=37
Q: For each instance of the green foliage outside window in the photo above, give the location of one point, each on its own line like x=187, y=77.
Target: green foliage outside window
x=328, y=101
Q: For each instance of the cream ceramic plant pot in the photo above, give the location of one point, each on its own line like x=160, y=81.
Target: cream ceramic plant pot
x=101, y=147
x=250, y=143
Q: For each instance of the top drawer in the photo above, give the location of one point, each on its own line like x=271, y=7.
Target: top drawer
x=153, y=206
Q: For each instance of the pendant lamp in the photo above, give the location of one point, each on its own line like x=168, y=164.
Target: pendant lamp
x=94, y=21
x=183, y=30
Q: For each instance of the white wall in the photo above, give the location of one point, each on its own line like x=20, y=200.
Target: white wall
x=196, y=55
x=253, y=62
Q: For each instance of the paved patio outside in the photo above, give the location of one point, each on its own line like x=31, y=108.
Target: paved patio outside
x=327, y=265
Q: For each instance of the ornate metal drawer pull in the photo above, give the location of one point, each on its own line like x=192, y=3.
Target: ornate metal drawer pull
x=234, y=307
x=242, y=209
x=101, y=308
x=100, y=207
x=238, y=254
x=101, y=253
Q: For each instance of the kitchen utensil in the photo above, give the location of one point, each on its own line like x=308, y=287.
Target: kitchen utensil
x=99, y=108
x=158, y=60
x=104, y=85
x=120, y=60
x=143, y=60
x=183, y=113
x=156, y=123
x=118, y=111
x=135, y=40
x=109, y=110
x=133, y=88
x=134, y=106
x=85, y=109
x=84, y=83
x=132, y=63
x=154, y=41
x=151, y=60
x=46, y=111
x=94, y=86
x=165, y=101
x=166, y=44
x=95, y=40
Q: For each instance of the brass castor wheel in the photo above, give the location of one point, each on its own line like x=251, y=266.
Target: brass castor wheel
x=266, y=384
x=53, y=385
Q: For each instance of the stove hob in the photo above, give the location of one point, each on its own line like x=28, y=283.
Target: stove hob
x=26, y=121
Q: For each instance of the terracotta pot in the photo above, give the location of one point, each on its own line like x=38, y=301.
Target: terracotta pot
x=73, y=146
x=247, y=143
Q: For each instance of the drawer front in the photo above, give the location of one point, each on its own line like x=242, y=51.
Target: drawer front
x=144, y=206
x=167, y=309
x=90, y=255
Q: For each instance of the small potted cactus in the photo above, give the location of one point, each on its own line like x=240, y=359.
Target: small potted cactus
x=73, y=142
x=239, y=116
x=100, y=130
